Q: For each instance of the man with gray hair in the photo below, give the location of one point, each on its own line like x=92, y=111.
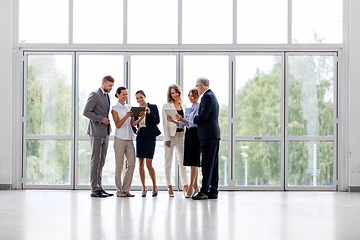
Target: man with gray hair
x=209, y=136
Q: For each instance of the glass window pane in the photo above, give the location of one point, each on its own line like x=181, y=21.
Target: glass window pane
x=98, y=22
x=92, y=69
x=43, y=21
x=49, y=86
x=224, y=162
x=153, y=74
x=84, y=158
x=216, y=69
x=48, y=162
x=258, y=164
x=258, y=95
x=262, y=21
x=317, y=21
x=207, y=22
x=153, y=22
x=311, y=163
x=311, y=95
x=158, y=164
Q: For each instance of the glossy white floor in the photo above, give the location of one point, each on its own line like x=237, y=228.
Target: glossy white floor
x=51, y=214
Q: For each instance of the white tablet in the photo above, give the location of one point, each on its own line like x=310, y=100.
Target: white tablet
x=171, y=112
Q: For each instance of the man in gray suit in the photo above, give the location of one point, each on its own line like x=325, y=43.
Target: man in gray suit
x=97, y=110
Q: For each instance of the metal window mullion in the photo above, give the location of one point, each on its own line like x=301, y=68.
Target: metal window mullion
x=289, y=22
x=179, y=22
x=311, y=138
x=48, y=137
x=232, y=103
x=24, y=120
x=283, y=123
x=234, y=21
x=71, y=21
x=285, y=105
x=336, y=122
x=76, y=128
x=125, y=22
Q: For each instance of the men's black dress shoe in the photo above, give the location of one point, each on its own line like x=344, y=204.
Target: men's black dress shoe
x=212, y=196
x=200, y=196
x=98, y=193
x=103, y=191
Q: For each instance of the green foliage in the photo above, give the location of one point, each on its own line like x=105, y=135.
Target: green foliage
x=310, y=113
x=48, y=112
x=258, y=111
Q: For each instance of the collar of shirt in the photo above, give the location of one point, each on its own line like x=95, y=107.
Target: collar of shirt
x=102, y=90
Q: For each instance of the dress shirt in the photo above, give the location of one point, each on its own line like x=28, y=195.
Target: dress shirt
x=142, y=123
x=190, y=113
x=125, y=132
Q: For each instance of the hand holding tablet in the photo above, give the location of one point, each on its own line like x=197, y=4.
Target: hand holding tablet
x=137, y=110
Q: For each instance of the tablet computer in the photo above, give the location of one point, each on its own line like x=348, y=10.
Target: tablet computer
x=171, y=112
x=137, y=110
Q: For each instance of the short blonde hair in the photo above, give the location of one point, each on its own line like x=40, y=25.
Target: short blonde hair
x=177, y=89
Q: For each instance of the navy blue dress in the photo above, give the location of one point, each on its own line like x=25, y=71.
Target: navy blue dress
x=146, y=137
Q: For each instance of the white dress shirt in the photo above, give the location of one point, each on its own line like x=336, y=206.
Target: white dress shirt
x=125, y=132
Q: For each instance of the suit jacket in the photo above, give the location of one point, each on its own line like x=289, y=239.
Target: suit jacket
x=169, y=127
x=207, y=118
x=96, y=109
x=152, y=120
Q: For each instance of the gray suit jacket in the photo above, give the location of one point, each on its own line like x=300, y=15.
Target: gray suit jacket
x=96, y=109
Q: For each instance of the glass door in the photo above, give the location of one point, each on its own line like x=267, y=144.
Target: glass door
x=90, y=70
x=216, y=67
x=48, y=121
x=258, y=145
x=278, y=115
x=310, y=121
x=154, y=73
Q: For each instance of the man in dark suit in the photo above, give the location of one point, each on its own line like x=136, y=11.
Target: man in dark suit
x=209, y=136
x=97, y=110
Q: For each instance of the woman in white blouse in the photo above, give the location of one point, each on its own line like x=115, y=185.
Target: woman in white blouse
x=174, y=138
x=123, y=144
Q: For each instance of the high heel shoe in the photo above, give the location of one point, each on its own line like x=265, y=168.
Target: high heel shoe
x=144, y=194
x=196, y=190
x=190, y=195
x=185, y=189
x=155, y=194
x=171, y=192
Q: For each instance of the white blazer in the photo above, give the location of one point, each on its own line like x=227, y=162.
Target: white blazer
x=169, y=127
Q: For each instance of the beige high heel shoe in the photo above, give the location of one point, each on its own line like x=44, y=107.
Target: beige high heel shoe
x=185, y=189
x=170, y=190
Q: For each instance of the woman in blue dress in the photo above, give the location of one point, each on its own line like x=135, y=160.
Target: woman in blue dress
x=146, y=141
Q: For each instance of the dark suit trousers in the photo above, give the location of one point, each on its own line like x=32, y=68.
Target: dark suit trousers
x=210, y=165
x=99, y=146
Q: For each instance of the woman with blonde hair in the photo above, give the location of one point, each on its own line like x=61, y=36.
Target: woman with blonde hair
x=192, y=142
x=174, y=138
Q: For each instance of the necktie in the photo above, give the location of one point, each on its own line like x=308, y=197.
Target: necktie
x=107, y=99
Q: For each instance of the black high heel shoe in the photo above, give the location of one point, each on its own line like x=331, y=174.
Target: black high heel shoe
x=155, y=194
x=144, y=195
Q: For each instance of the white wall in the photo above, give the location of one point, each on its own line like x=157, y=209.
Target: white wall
x=6, y=64
x=354, y=82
